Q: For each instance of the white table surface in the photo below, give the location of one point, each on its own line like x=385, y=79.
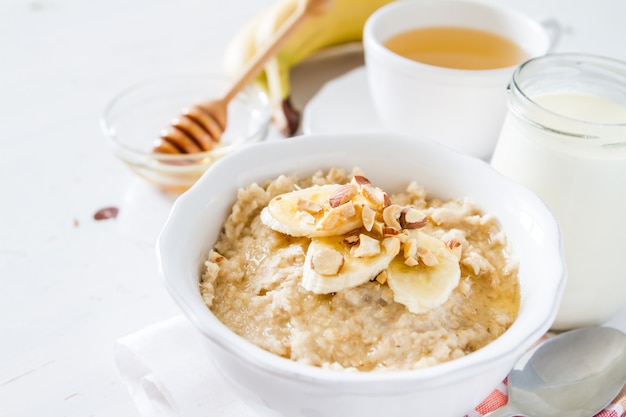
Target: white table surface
x=70, y=285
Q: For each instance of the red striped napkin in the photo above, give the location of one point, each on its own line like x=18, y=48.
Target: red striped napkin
x=499, y=398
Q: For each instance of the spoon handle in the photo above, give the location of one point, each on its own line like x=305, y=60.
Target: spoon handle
x=505, y=411
x=304, y=9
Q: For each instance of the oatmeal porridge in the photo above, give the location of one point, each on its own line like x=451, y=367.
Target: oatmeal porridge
x=332, y=271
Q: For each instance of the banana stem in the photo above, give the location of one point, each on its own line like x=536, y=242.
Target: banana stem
x=256, y=65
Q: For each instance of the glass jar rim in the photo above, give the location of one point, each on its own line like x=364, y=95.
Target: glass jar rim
x=540, y=69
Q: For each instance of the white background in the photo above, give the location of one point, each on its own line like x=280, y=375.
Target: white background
x=69, y=285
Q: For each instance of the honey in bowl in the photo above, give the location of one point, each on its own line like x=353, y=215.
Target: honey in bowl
x=457, y=47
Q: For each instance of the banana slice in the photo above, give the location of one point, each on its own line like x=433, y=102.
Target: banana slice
x=421, y=287
x=421, y=278
x=308, y=212
x=333, y=264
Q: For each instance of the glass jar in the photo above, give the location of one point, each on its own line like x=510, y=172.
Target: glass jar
x=564, y=137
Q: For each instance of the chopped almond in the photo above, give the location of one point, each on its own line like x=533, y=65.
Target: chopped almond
x=382, y=277
x=305, y=217
x=456, y=247
x=360, y=180
x=378, y=228
x=372, y=194
x=386, y=200
x=391, y=216
x=403, y=236
x=391, y=231
x=327, y=262
x=351, y=239
x=412, y=218
x=427, y=257
x=309, y=206
x=410, y=248
x=368, y=215
x=330, y=221
x=335, y=216
x=368, y=246
x=346, y=210
x=411, y=262
x=391, y=245
x=342, y=195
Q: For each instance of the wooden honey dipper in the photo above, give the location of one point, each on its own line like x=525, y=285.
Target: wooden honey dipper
x=200, y=127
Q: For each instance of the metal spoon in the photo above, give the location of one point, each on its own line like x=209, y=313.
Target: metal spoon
x=575, y=374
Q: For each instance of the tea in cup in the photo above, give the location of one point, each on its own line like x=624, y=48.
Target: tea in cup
x=440, y=68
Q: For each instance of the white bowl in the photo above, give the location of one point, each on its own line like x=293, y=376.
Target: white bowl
x=447, y=390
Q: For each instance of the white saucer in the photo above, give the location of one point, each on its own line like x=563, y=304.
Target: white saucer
x=342, y=105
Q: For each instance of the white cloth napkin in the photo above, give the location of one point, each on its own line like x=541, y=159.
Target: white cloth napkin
x=169, y=374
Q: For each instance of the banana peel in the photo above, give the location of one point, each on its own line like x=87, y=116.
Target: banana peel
x=342, y=24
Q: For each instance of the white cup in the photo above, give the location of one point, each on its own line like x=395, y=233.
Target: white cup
x=463, y=109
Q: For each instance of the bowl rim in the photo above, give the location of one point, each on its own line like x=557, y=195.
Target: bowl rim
x=108, y=130
x=520, y=336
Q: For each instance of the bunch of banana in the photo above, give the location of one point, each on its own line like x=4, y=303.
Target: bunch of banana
x=343, y=23
x=358, y=235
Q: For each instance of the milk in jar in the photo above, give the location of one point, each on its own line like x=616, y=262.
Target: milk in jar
x=564, y=137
